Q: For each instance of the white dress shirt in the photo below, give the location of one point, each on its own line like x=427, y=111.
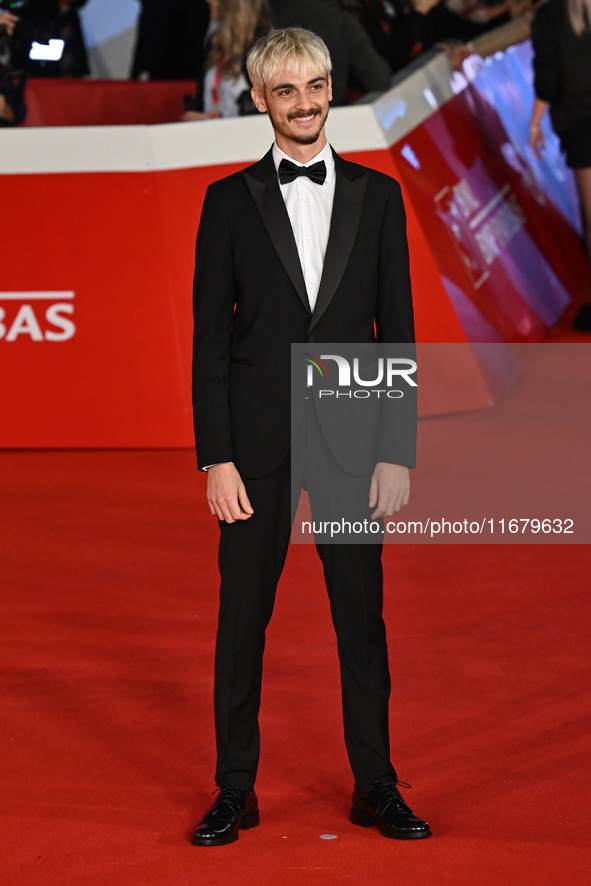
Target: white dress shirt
x=309, y=206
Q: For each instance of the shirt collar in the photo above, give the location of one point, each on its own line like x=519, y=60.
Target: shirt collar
x=325, y=154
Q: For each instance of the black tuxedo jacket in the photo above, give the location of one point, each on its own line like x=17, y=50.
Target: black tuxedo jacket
x=250, y=304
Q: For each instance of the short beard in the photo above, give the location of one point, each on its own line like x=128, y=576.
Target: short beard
x=306, y=139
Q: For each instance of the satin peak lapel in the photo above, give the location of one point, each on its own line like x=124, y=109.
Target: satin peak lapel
x=263, y=185
x=344, y=224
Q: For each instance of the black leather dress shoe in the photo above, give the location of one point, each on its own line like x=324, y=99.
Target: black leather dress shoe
x=383, y=806
x=233, y=809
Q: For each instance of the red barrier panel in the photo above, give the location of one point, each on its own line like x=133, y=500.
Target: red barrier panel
x=75, y=102
x=95, y=307
x=507, y=256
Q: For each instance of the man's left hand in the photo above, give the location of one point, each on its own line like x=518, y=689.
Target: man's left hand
x=9, y=21
x=389, y=489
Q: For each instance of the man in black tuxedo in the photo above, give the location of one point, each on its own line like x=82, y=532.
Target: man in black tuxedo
x=303, y=246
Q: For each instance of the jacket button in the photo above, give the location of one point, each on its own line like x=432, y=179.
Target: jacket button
x=311, y=339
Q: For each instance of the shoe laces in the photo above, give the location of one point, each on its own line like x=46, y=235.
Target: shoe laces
x=390, y=792
x=230, y=795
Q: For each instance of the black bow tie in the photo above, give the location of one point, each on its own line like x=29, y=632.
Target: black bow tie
x=289, y=171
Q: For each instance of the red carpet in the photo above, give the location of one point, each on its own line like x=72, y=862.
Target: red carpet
x=109, y=599
x=109, y=606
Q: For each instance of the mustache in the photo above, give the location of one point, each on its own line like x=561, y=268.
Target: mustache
x=295, y=114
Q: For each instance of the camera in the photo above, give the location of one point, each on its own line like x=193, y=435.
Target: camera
x=34, y=47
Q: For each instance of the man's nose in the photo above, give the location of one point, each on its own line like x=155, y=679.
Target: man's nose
x=303, y=100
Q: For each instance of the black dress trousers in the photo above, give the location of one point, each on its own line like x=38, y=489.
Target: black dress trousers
x=251, y=558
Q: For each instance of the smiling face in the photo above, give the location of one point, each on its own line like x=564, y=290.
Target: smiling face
x=297, y=105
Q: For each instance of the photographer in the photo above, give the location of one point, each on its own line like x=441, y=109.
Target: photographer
x=12, y=105
x=44, y=21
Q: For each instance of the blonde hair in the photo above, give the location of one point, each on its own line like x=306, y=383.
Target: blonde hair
x=300, y=49
x=579, y=13
x=240, y=21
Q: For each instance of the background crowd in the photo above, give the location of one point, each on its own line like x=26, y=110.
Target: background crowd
x=206, y=40
x=369, y=41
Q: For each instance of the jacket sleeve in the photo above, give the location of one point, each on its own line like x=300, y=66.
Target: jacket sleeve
x=366, y=65
x=213, y=311
x=395, y=326
x=394, y=316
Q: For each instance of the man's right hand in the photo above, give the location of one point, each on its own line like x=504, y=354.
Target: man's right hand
x=226, y=494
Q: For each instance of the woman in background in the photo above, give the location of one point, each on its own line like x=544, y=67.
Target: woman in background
x=224, y=90
x=561, y=36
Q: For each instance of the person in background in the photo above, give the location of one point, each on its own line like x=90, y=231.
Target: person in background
x=223, y=90
x=561, y=36
x=74, y=62
x=8, y=23
x=170, y=40
x=12, y=104
x=42, y=20
x=478, y=10
x=355, y=62
x=401, y=30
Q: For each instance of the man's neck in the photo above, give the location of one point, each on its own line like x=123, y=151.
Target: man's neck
x=301, y=153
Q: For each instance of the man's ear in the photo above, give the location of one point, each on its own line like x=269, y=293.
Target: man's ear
x=329, y=84
x=259, y=100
